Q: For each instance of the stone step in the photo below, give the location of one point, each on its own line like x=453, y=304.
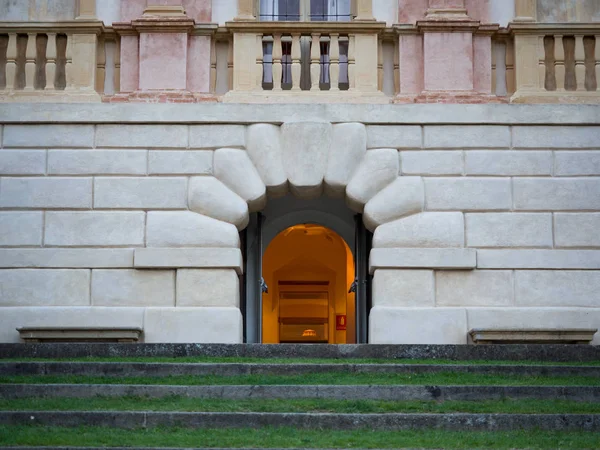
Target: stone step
x=131, y=369
x=356, y=392
x=392, y=421
x=519, y=352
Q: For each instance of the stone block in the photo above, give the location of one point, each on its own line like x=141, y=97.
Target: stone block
x=190, y=258
x=467, y=194
x=22, y=162
x=577, y=163
x=400, y=198
x=39, y=287
x=210, y=197
x=556, y=137
x=208, y=287
x=306, y=146
x=175, y=162
x=421, y=258
x=556, y=194
x=142, y=136
x=466, y=136
x=557, y=288
x=378, y=169
x=432, y=162
x=508, y=163
x=140, y=193
x=60, y=316
x=46, y=136
x=215, y=136
x=403, y=288
x=188, y=229
x=538, y=259
x=97, y=162
x=133, y=287
x=394, y=136
x=263, y=144
x=235, y=169
x=430, y=229
x=348, y=147
x=193, y=325
x=41, y=192
x=430, y=326
x=94, y=229
x=66, y=258
x=509, y=230
x=21, y=228
x=474, y=288
x=159, y=51
x=577, y=229
x=532, y=317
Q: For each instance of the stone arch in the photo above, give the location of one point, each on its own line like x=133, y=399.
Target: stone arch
x=306, y=159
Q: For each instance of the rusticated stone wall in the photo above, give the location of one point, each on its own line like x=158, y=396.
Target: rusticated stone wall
x=128, y=215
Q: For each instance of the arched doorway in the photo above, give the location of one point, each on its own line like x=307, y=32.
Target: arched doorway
x=309, y=269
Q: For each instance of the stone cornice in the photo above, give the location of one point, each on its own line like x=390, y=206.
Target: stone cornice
x=554, y=28
x=306, y=27
x=65, y=26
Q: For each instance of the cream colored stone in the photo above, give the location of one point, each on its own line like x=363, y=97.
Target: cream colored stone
x=263, y=144
x=509, y=230
x=394, y=136
x=192, y=258
x=452, y=136
x=429, y=326
x=403, y=288
x=22, y=162
x=348, y=147
x=378, y=169
x=430, y=229
x=142, y=136
x=193, y=325
x=538, y=259
x=436, y=162
x=402, y=197
x=45, y=192
x=235, y=169
x=140, y=192
x=133, y=287
x=209, y=196
x=75, y=136
x=208, y=287
x=474, y=288
x=215, y=136
x=575, y=229
x=21, y=228
x=422, y=258
x=188, y=229
x=66, y=258
x=551, y=194
x=91, y=162
x=306, y=146
x=174, y=162
x=468, y=194
x=39, y=287
x=557, y=288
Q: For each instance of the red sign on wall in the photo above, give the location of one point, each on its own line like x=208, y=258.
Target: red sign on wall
x=340, y=322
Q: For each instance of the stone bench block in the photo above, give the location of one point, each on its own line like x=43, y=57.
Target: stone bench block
x=538, y=259
x=142, y=136
x=193, y=258
x=66, y=258
x=532, y=336
x=509, y=230
x=421, y=258
x=79, y=334
x=21, y=228
x=133, y=287
x=429, y=229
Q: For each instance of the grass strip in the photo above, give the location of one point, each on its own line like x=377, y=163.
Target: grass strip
x=328, y=378
x=185, y=404
x=237, y=360
x=289, y=437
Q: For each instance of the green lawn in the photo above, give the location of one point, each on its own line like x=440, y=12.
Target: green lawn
x=289, y=437
x=330, y=378
x=299, y=405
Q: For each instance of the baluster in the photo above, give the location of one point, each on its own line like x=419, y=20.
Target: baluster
x=579, y=63
x=380, y=65
x=351, y=64
x=100, y=66
x=277, y=62
x=559, y=62
x=296, y=67
x=334, y=62
x=117, y=74
x=510, y=67
x=230, y=64
x=11, y=61
x=259, y=68
x=213, y=65
x=396, y=66
x=51, y=61
x=69, y=76
x=597, y=57
x=30, y=54
x=315, y=62
x=546, y=67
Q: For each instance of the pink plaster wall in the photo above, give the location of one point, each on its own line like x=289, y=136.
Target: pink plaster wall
x=411, y=64
x=198, y=64
x=448, y=61
x=446, y=4
x=163, y=58
x=132, y=9
x=199, y=10
x=482, y=64
x=130, y=75
x=409, y=11
x=479, y=10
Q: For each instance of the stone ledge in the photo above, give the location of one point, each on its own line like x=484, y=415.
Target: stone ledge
x=198, y=258
x=531, y=336
x=61, y=258
x=538, y=259
x=272, y=113
x=79, y=334
x=421, y=258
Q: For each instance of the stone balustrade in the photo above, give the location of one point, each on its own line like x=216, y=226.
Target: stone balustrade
x=557, y=62
x=43, y=61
